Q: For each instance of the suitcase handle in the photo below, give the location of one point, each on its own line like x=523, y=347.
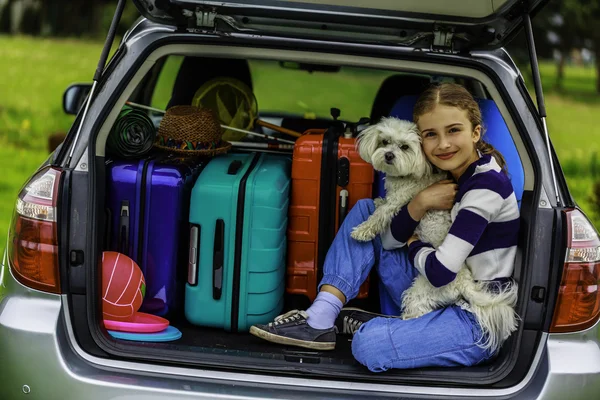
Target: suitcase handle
x=218, y=256
x=123, y=245
x=194, y=257
x=343, y=172
x=234, y=167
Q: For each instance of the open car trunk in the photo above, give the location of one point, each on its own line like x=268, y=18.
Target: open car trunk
x=464, y=25
x=223, y=348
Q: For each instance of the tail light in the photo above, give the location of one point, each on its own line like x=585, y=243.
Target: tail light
x=33, y=240
x=578, y=303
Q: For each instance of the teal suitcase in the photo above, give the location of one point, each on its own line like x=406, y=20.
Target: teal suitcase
x=238, y=222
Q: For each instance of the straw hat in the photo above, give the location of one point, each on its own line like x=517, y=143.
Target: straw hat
x=190, y=130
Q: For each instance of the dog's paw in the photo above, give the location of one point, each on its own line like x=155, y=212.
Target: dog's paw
x=379, y=201
x=407, y=315
x=412, y=313
x=363, y=233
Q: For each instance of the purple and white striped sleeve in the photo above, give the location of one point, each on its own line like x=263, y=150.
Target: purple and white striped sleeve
x=476, y=209
x=400, y=230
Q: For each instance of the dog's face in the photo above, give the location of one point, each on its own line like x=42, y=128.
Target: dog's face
x=393, y=146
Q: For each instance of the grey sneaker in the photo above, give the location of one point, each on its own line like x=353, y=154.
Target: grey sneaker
x=350, y=319
x=292, y=329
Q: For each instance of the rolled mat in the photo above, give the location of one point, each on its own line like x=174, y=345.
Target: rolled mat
x=132, y=135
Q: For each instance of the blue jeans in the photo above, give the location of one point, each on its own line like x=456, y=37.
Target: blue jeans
x=443, y=338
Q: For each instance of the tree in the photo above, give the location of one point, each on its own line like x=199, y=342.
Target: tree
x=544, y=47
x=5, y=17
x=586, y=14
x=560, y=23
x=84, y=17
x=72, y=17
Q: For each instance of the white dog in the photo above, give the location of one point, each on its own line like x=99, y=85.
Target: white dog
x=393, y=146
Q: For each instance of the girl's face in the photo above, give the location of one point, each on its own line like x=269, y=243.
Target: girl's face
x=449, y=139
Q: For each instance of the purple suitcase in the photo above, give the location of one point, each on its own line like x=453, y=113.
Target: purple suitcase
x=148, y=205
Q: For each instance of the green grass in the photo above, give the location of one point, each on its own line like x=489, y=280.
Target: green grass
x=35, y=72
x=579, y=83
x=351, y=90
x=572, y=123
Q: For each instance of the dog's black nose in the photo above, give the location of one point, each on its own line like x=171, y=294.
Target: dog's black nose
x=389, y=156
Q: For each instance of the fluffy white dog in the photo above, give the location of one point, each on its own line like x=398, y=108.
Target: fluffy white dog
x=393, y=146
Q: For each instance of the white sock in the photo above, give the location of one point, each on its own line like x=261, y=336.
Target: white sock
x=324, y=310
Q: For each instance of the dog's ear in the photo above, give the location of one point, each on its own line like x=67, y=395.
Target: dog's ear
x=422, y=166
x=426, y=168
x=366, y=143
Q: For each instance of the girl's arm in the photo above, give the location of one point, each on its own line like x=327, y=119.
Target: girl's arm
x=401, y=228
x=478, y=207
x=439, y=196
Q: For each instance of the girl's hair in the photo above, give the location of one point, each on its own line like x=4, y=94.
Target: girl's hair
x=453, y=95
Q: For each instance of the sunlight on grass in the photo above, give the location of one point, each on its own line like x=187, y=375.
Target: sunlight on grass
x=572, y=126
x=572, y=112
x=351, y=90
x=35, y=73
x=579, y=82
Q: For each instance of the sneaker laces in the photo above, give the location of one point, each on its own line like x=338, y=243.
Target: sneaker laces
x=351, y=325
x=289, y=316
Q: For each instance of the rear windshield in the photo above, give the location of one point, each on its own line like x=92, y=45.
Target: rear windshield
x=302, y=90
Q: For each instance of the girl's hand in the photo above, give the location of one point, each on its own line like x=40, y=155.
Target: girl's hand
x=412, y=239
x=439, y=196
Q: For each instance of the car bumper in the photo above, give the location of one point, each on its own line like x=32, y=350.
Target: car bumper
x=40, y=357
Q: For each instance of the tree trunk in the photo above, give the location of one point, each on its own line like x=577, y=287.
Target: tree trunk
x=6, y=17
x=597, y=57
x=560, y=71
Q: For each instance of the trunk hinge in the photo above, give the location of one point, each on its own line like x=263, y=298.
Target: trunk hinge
x=204, y=18
x=537, y=82
x=110, y=37
x=442, y=40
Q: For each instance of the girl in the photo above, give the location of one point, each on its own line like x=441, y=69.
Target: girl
x=483, y=235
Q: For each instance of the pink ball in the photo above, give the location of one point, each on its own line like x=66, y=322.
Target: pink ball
x=123, y=286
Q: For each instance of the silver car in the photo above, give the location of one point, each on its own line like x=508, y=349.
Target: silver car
x=53, y=344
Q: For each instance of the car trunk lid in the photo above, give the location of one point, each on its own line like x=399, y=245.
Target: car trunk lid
x=451, y=26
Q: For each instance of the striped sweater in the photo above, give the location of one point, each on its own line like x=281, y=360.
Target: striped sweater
x=484, y=231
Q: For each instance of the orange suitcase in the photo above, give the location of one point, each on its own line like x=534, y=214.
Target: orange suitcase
x=328, y=178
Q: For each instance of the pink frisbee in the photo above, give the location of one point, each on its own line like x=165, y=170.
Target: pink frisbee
x=139, y=323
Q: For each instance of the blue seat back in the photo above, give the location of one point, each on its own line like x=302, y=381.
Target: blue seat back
x=496, y=134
